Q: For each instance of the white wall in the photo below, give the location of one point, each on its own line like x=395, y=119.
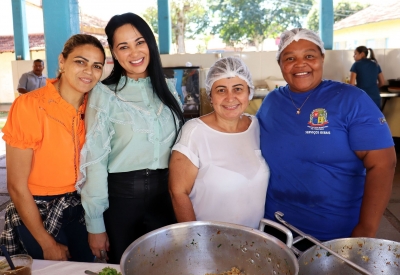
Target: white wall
x=336, y=67
x=6, y=78
x=9, y=79
x=15, y=68
x=261, y=64
x=20, y=67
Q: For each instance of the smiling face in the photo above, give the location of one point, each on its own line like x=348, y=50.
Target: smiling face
x=131, y=51
x=230, y=97
x=301, y=64
x=82, y=69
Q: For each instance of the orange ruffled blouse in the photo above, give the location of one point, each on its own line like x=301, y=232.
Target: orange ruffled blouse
x=44, y=121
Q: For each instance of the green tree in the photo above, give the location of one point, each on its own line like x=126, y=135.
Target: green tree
x=151, y=17
x=240, y=22
x=340, y=11
x=188, y=18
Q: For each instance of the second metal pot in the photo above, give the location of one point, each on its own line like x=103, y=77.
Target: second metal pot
x=375, y=255
x=347, y=256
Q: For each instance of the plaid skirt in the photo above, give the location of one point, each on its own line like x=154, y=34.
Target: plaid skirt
x=50, y=211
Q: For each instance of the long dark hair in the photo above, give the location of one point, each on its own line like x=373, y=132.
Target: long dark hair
x=363, y=49
x=154, y=69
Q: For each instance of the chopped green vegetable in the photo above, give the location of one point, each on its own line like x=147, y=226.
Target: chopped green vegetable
x=109, y=271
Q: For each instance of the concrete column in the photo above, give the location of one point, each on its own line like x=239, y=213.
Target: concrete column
x=164, y=27
x=326, y=23
x=61, y=21
x=21, y=39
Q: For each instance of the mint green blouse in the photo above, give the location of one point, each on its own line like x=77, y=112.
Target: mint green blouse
x=130, y=131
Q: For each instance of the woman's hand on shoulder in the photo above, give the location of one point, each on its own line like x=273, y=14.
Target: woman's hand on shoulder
x=98, y=242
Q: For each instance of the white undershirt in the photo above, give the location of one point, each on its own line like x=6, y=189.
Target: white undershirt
x=232, y=180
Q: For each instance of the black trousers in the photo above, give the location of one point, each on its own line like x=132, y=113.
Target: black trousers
x=139, y=202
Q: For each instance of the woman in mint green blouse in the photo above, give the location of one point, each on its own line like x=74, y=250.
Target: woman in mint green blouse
x=131, y=127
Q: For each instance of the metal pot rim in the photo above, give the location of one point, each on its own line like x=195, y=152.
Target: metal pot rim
x=356, y=238
x=210, y=223
x=334, y=241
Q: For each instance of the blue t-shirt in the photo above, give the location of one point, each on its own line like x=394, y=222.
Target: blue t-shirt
x=317, y=180
x=367, y=75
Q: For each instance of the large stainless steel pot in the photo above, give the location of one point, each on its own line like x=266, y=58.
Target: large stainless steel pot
x=197, y=248
x=347, y=256
x=375, y=255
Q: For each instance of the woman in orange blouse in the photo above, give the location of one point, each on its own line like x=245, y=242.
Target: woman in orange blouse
x=44, y=133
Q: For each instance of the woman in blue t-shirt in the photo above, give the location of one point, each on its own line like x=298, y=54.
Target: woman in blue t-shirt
x=365, y=72
x=328, y=147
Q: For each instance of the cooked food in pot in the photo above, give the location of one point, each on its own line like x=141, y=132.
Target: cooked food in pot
x=233, y=271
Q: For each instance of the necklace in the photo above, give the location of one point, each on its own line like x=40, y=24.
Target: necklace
x=58, y=86
x=299, y=108
x=58, y=90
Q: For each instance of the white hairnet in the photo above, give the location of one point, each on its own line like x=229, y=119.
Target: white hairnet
x=228, y=67
x=287, y=37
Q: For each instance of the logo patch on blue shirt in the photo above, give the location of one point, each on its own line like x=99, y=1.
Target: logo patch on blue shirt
x=318, y=122
x=382, y=120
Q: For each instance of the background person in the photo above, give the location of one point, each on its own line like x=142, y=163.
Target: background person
x=328, y=146
x=217, y=172
x=34, y=79
x=366, y=71
x=44, y=133
x=131, y=129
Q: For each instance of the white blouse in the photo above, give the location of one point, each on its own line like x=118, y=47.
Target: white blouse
x=232, y=180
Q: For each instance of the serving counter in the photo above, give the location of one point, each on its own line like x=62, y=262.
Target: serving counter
x=385, y=95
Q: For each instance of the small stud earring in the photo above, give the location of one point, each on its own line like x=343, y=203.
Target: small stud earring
x=61, y=71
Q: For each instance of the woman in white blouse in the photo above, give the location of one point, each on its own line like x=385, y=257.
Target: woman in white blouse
x=217, y=172
x=131, y=127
